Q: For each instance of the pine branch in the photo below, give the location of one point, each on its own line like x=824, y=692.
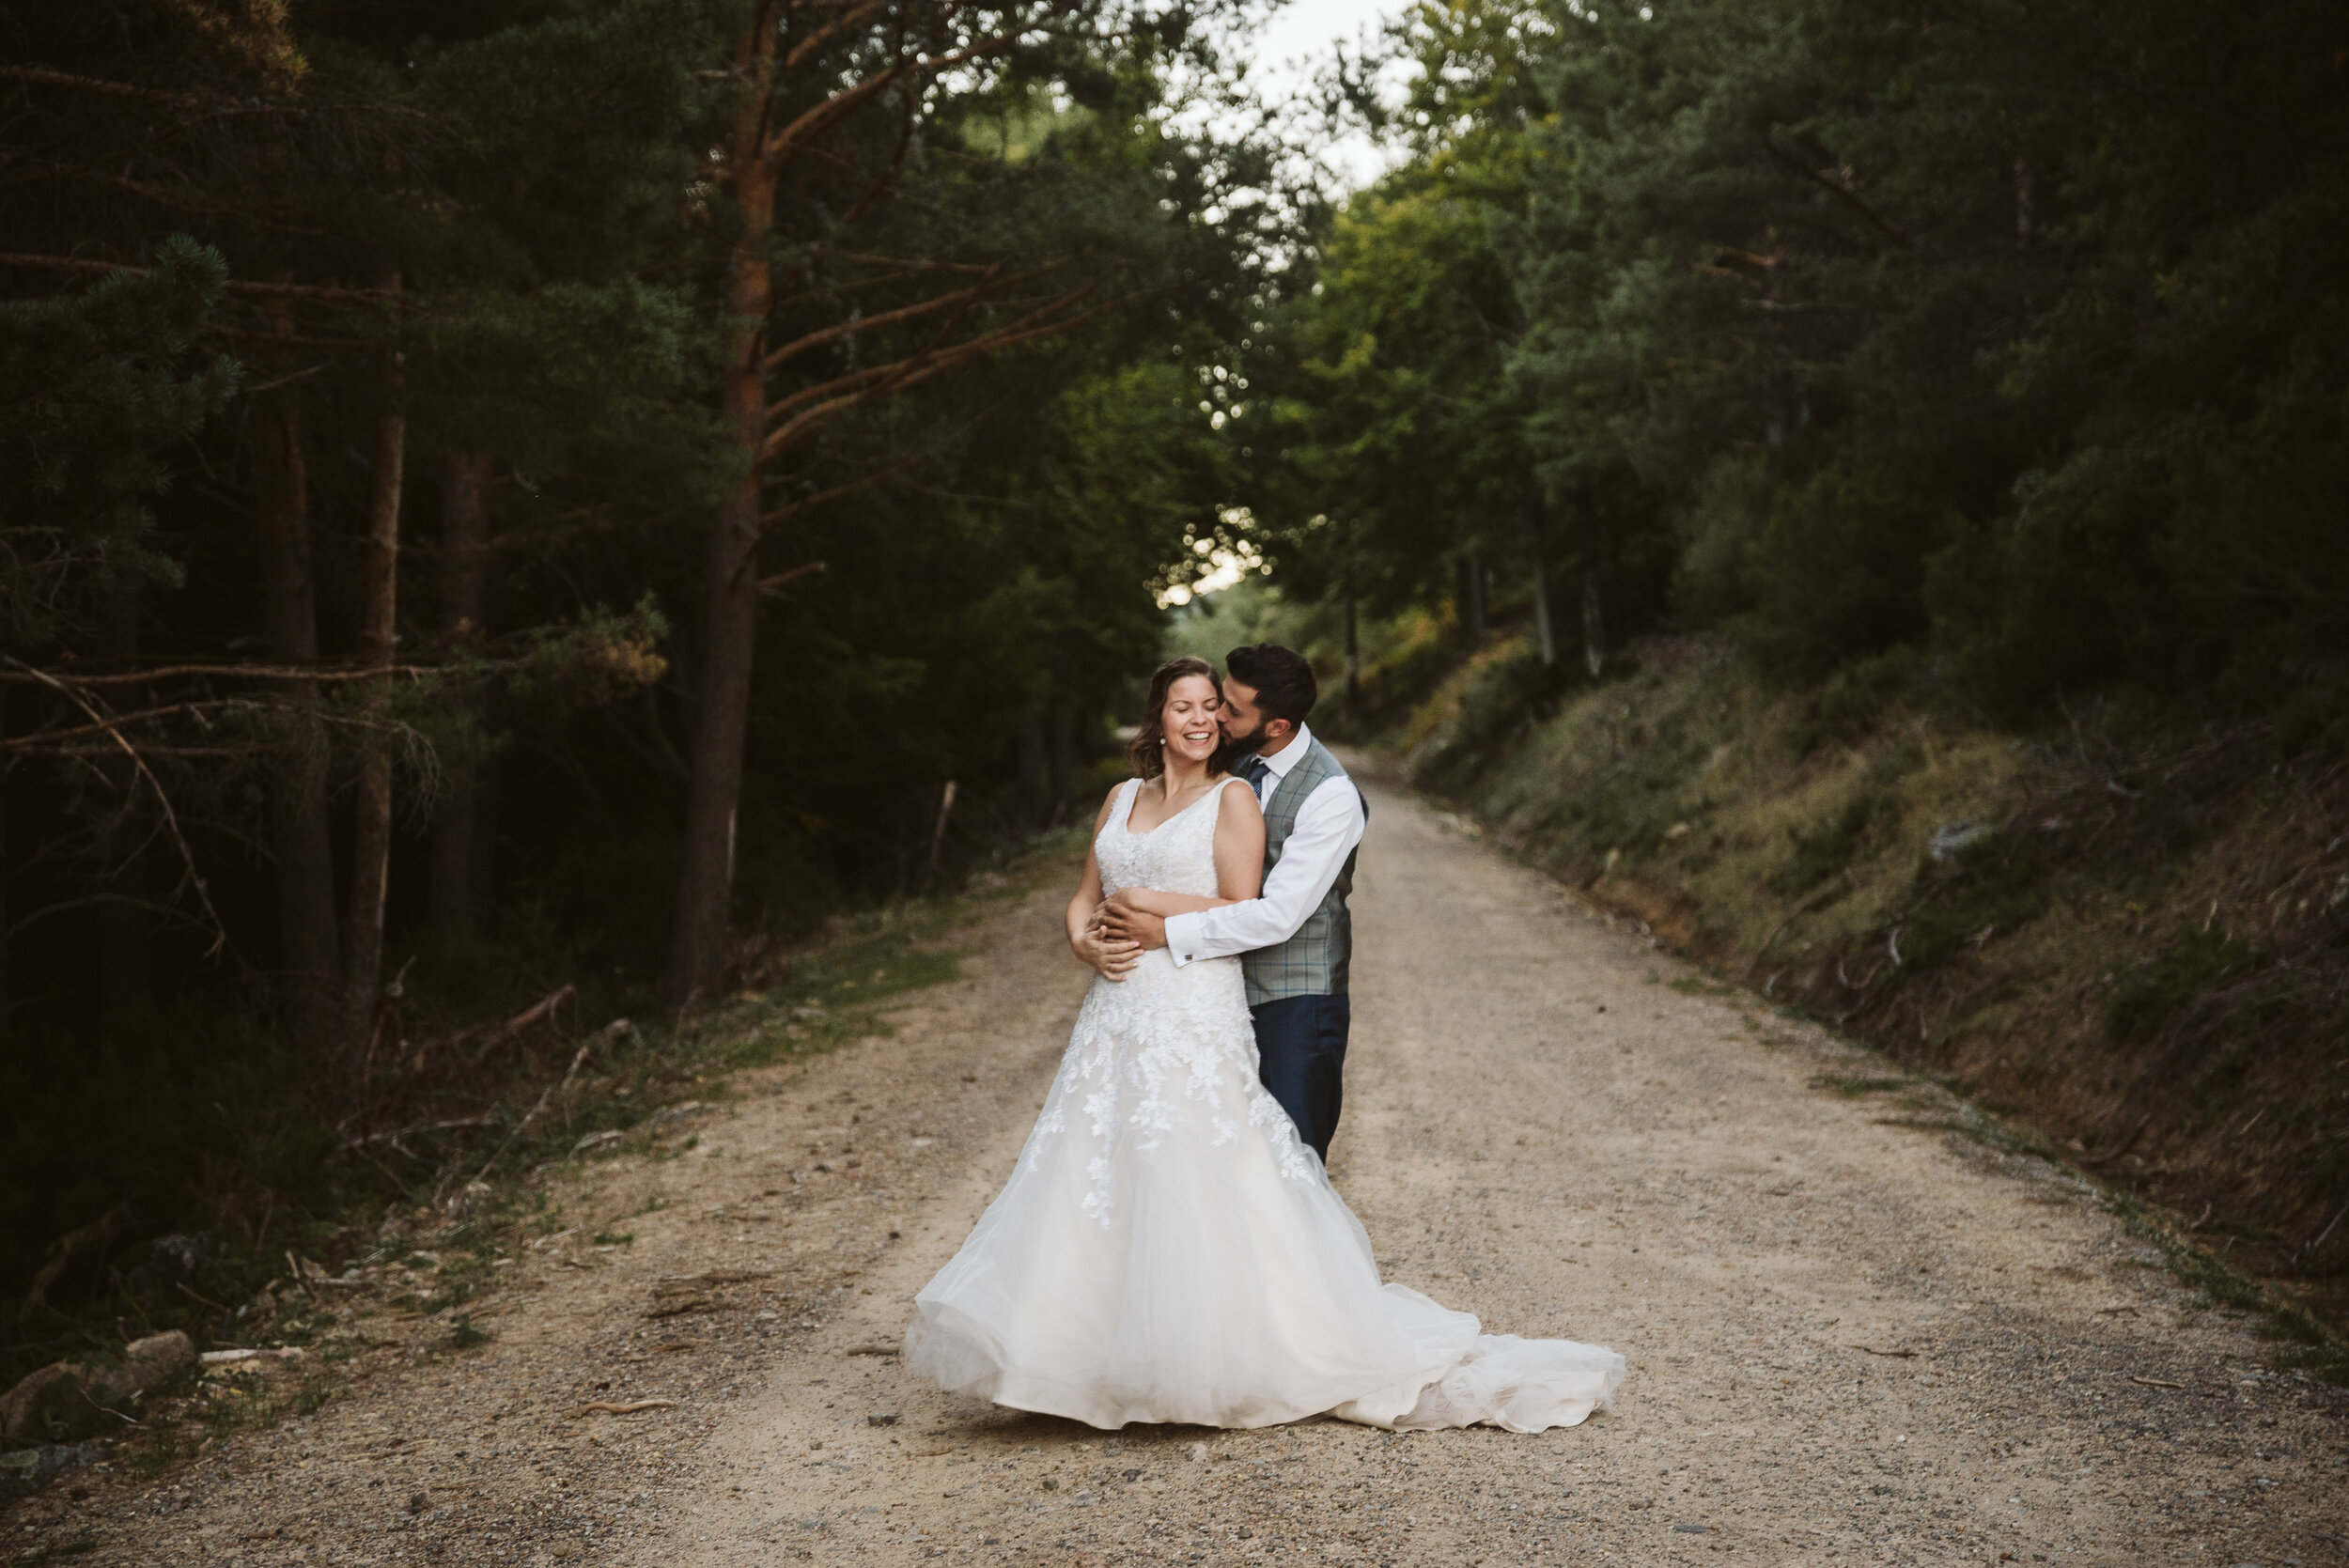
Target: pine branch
x=816, y=121
x=848, y=391
x=854, y=17
x=323, y=673
x=799, y=346
x=235, y=285
x=1840, y=188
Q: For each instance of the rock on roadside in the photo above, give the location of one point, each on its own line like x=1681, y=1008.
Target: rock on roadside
x=78, y=1395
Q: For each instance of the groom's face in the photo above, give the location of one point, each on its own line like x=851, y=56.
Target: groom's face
x=1244, y=723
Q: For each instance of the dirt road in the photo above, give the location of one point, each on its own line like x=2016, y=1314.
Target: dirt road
x=1855, y=1336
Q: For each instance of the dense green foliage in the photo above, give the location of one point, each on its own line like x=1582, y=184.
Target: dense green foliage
x=256, y=247
x=2013, y=331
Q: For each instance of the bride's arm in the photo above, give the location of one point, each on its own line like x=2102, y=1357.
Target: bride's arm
x=1239, y=863
x=1099, y=949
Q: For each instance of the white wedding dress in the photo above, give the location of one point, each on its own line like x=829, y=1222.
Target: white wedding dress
x=1167, y=1250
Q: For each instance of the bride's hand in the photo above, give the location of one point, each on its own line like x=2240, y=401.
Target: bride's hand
x=1108, y=954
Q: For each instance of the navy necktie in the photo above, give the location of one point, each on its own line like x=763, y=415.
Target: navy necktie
x=1253, y=769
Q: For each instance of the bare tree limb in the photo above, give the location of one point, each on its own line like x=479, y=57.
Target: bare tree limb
x=163, y=800
x=801, y=344
x=322, y=675
x=1841, y=188
x=235, y=285
x=921, y=367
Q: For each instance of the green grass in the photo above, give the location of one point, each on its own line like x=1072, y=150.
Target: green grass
x=1853, y=1085
x=2097, y=945
x=463, y=1334
x=220, y=1407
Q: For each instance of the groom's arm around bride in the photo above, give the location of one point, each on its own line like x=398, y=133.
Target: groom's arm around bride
x=1295, y=939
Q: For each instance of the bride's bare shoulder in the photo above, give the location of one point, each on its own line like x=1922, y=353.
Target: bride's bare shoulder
x=1109, y=804
x=1240, y=805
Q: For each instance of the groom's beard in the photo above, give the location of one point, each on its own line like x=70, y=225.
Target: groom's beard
x=1243, y=744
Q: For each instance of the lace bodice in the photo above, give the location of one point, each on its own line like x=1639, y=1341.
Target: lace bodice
x=1177, y=856
x=1165, y=1048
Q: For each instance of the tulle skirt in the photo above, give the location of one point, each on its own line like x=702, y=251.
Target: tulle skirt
x=1168, y=1251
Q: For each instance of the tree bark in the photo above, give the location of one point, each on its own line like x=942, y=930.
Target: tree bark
x=1545, y=633
x=125, y=985
x=309, y=941
x=1035, y=779
x=378, y=637
x=5, y=921
x=1594, y=625
x=1063, y=757
x=1353, y=641
x=456, y=880
x=699, y=946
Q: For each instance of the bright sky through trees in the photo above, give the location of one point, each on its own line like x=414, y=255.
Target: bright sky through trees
x=1300, y=40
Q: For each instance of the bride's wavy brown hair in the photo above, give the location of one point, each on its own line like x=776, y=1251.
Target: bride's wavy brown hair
x=1145, y=749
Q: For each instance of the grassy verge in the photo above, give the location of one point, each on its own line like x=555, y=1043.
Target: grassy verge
x=2131, y=941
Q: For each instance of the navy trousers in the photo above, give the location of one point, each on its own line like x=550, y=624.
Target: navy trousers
x=1300, y=1052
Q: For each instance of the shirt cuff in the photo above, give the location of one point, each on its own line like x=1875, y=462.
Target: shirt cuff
x=1182, y=938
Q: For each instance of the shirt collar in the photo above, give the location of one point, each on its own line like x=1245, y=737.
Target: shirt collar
x=1287, y=756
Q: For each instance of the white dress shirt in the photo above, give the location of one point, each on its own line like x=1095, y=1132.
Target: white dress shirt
x=1329, y=823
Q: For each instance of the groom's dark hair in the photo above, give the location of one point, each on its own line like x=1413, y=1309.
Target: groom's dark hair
x=1280, y=677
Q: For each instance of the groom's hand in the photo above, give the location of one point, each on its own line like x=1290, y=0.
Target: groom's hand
x=1134, y=925
x=1106, y=952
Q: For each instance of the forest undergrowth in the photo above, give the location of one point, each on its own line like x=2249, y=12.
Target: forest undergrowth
x=253, y=1227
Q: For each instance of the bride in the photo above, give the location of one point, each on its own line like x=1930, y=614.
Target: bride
x=1167, y=1250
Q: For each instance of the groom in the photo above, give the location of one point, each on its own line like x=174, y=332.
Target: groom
x=1295, y=939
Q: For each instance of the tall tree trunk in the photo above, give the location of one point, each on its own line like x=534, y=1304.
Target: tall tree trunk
x=1035, y=777
x=379, y=635
x=308, y=941
x=456, y=880
x=1064, y=754
x=1353, y=641
x=1594, y=625
x=699, y=945
x=1545, y=633
x=5, y=921
x=124, y=983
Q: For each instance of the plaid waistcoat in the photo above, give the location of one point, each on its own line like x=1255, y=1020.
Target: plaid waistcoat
x=1313, y=962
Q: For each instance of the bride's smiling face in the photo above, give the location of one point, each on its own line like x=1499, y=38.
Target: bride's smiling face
x=1191, y=719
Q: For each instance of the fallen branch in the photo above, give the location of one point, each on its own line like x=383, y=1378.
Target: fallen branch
x=2156, y=1382
x=230, y=1358
x=578, y=1057
x=608, y=1407
x=543, y=1008
x=206, y=1300
x=393, y=1137
x=1901, y=1354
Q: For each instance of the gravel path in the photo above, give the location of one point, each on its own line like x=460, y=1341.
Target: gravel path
x=1855, y=1335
